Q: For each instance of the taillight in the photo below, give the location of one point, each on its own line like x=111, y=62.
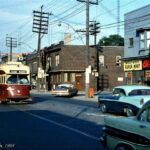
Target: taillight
x=142, y=102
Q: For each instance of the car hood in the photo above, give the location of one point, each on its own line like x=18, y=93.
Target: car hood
x=129, y=124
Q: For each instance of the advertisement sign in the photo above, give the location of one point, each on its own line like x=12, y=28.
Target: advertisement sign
x=146, y=64
x=132, y=65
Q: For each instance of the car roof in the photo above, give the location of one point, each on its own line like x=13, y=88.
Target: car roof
x=128, y=88
x=66, y=85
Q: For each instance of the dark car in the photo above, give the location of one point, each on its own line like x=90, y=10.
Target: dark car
x=124, y=99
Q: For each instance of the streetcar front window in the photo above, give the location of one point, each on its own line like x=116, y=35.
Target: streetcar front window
x=23, y=79
x=12, y=79
x=18, y=79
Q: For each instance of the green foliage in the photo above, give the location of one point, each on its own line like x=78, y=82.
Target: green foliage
x=112, y=40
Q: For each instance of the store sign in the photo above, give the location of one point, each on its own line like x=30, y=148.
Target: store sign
x=133, y=65
x=146, y=64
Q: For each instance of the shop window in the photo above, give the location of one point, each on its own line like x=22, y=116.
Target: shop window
x=72, y=77
x=118, y=60
x=65, y=77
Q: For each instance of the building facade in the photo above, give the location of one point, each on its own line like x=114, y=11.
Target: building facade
x=137, y=46
x=111, y=71
x=66, y=64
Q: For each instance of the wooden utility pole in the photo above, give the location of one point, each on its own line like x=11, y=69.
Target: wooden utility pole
x=87, y=72
x=40, y=26
x=12, y=43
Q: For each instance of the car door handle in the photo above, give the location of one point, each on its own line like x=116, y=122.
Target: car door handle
x=142, y=126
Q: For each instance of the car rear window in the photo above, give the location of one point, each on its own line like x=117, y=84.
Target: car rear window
x=139, y=92
x=62, y=87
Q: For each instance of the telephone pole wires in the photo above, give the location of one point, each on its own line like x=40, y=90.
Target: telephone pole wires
x=40, y=26
x=12, y=43
x=87, y=73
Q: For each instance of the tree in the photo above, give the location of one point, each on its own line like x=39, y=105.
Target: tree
x=112, y=40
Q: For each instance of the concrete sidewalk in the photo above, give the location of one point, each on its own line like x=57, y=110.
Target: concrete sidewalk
x=80, y=96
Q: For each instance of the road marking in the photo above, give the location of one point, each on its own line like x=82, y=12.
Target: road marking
x=64, y=126
x=93, y=114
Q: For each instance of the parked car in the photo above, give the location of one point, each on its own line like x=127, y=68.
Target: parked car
x=65, y=90
x=132, y=133
x=124, y=99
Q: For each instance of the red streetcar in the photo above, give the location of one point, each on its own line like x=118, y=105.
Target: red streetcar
x=14, y=82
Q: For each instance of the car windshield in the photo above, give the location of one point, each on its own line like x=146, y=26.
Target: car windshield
x=62, y=87
x=18, y=79
x=118, y=92
x=139, y=92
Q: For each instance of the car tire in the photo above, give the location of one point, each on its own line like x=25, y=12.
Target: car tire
x=129, y=112
x=103, y=108
x=124, y=148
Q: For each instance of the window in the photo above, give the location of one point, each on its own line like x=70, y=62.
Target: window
x=101, y=60
x=142, y=116
x=130, y=42
x=148, y=39
x=49, y=61
x=118, y=60
x=142, y=40
x=65, y=77
x=72, y=77
x=57, y=60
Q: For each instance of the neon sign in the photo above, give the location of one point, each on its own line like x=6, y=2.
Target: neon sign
x=146, y=64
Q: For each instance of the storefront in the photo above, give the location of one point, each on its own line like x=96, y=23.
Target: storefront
x=133, y=71
x=137, y=71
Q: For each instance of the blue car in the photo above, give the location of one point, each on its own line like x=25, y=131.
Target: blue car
x=127, y=99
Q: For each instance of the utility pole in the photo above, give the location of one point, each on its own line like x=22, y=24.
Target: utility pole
x=40, y=26
x=94, y=30
x=87, y=73
x=12, y=43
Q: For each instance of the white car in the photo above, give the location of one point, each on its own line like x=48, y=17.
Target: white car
x=65, y=90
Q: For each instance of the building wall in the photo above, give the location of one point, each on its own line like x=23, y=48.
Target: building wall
x=111, y=74
x=137, y=23
x=135, y=20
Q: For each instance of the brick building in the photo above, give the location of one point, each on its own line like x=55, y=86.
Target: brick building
x=111, y=72
x=66, y=64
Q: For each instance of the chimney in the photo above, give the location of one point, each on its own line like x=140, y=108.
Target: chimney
x=67, y=39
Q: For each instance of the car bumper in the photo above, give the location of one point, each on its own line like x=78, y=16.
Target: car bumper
x=60, y=94
x=103, y=140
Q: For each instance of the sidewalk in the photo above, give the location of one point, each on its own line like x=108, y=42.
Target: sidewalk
x=80, y=96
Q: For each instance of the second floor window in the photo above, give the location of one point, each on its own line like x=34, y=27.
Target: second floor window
x=144, y=40
x=118, y=60
x=57, y=60
x=101, y=60
x=130, y=42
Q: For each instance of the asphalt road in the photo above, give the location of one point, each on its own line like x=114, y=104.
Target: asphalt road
x=51, y=123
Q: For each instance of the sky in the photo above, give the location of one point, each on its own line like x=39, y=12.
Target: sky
x=16, y=20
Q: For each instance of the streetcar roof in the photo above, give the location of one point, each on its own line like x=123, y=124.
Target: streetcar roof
x=12, y=67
